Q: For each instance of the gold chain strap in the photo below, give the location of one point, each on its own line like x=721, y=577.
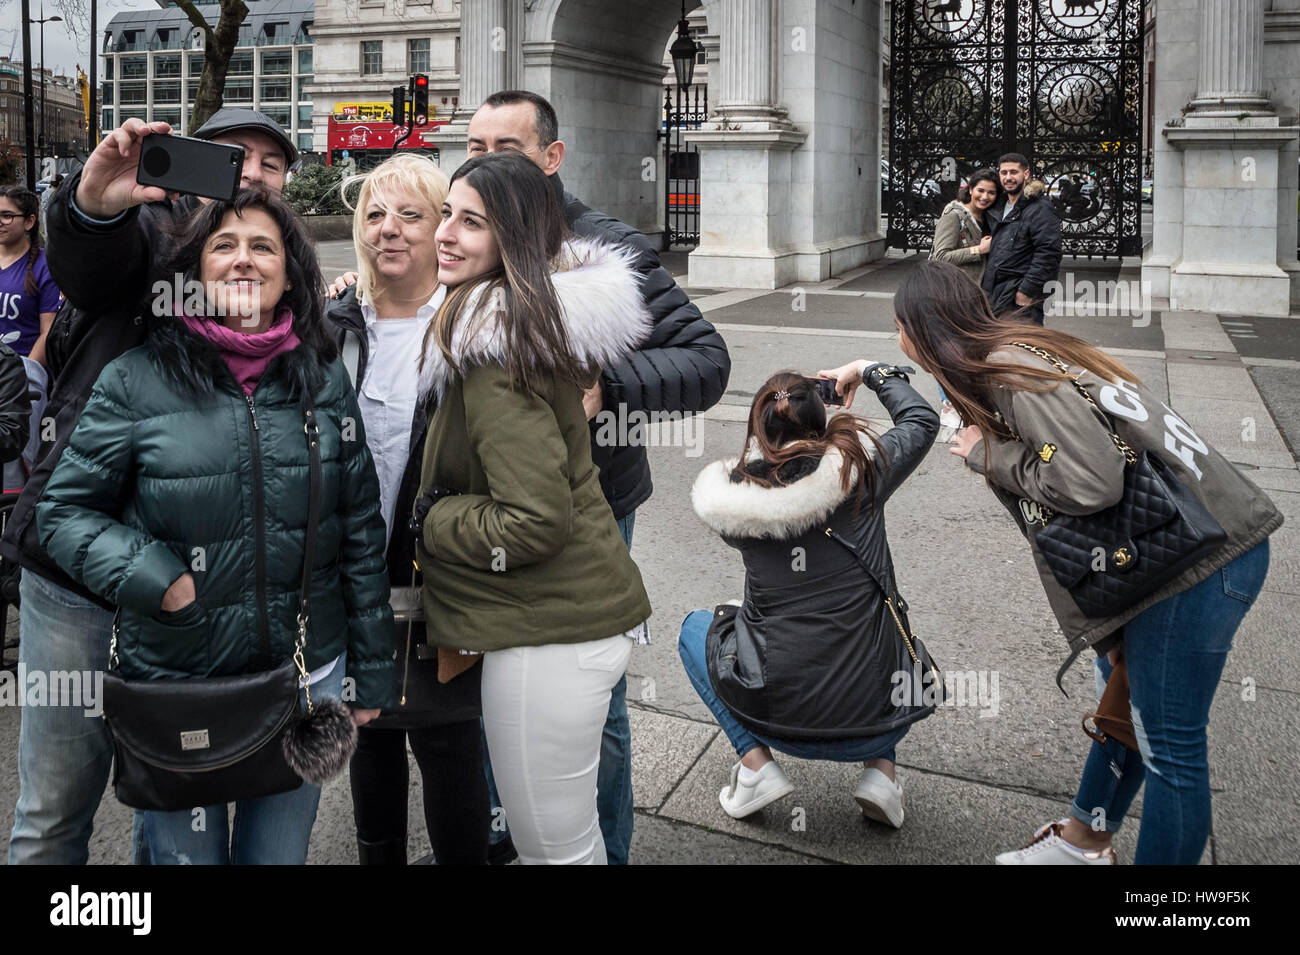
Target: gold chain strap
x=1120, y=444
x=298, y=648
x=898, y=622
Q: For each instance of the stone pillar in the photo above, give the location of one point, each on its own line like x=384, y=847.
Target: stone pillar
x=789, y=161
x=485, y=42
x=1216, y=242
x=746, y=73
x=1230, y=79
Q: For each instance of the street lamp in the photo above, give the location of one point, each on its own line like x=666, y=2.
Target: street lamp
x=42, y=21
x=684, y=51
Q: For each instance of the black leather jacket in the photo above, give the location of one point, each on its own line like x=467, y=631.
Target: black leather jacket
x=682, y=367
x=814, y=652
x=1026, y=251
x=15, y=405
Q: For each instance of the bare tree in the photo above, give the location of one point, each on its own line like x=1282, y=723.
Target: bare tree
x=218, y=47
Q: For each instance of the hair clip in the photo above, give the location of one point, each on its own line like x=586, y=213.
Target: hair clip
x=782, y=394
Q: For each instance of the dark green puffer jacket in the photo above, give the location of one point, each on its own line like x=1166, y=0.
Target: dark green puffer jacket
x=159, y=478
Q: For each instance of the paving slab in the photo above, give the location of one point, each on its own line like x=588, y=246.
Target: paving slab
x=664, y=748
x=1197, y=331
x=1253, y=745
x=1209, y=381
x=1250, y=830
x=657, y=841
x=948, y=820
x=1277, y=479
x=1241, y=429
x=1264, y=647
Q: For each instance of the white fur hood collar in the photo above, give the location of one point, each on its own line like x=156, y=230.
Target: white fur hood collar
x=600, y=305
x=745, y=509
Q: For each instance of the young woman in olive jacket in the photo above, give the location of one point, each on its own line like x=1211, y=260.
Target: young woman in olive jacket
x=819, y=660
x=182, y=498
x=1043, y=447
x=521, y=556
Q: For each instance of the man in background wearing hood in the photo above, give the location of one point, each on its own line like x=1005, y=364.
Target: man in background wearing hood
x=1026, y=250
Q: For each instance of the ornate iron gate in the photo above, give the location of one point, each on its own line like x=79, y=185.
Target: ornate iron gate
x=682, y=165
x=1057, y=80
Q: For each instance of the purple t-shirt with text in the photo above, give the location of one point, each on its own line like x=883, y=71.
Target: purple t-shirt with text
x=20, y=313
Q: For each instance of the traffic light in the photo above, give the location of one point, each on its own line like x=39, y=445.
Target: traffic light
x=399, y=105
x=420, y=100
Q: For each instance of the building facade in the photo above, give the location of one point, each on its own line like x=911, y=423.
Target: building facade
x=153, y=59
x=65, y=122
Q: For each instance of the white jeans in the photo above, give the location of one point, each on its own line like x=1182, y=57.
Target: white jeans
x=544, y=710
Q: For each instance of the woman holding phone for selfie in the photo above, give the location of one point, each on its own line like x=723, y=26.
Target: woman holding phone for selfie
x=521, y=557
x=809, y=663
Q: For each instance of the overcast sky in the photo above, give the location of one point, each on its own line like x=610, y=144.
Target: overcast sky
x=62, y=52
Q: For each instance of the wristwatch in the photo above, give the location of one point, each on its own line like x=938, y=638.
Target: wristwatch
x=875, y=376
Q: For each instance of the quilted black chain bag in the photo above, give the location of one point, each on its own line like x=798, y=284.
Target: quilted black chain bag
x=1114, y=558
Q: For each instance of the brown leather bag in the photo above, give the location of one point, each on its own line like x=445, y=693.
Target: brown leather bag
x=1114, y=716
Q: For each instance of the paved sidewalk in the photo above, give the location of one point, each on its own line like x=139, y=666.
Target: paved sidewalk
x=978, y=778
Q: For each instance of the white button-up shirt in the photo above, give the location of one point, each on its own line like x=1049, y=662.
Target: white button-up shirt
x=390, y=391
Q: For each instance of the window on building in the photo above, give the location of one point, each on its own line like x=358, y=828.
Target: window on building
x=304, y=142
x=238, y=91
x=304, y=33
x=417, y=56
x=167, y=92
x=132, y=94
x=107, y=122
x=276, y=33
x=191, y=90
x=130, y=40
x=170, y=115
x=196, y=64
x=281, y=114
x=241, y=64
x=134, y=67
x=304, y=114
x=275, y=90
x=108, y=67
x=304, y=62
x=372, y=57
x=167, y=65
x=166, y=39
x=106, y=97
x=276, y=63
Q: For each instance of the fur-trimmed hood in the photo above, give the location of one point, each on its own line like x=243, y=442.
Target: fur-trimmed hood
x=1034, y=188
x=744, y=509
x=600, y=305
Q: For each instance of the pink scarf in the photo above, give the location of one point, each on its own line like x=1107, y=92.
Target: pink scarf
x=248, y=355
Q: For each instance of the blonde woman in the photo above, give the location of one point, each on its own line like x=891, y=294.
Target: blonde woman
x=382, y=321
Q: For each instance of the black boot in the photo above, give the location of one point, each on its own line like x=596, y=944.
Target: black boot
x=388, y=852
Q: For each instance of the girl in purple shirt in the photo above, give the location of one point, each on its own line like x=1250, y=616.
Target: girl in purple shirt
x=29, y=298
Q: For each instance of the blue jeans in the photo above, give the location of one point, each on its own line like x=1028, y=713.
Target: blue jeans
x=64, y=755
x=270, y=830
x=1175, y=653
x=613, y=776
x=690, y=646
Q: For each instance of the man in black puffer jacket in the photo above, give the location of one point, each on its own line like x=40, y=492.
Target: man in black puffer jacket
x=682, y=368
x=1026, y=250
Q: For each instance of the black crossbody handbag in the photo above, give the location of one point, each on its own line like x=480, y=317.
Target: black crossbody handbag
x=205, y=741
x=1111, y=560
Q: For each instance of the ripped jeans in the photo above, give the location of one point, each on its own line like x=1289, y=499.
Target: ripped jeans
x=1175, y=653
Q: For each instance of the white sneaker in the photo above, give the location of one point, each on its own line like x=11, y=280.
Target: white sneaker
x=880, y=797
x=741, y=799
x=949, y=422
x=1048, y=848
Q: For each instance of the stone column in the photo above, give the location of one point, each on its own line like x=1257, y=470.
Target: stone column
x=1231, y=75
x=484, y=45
x=746, y=72
x=1219, y=248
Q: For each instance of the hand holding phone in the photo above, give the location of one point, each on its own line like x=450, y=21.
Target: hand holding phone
x=826, y=391
x=108, y=183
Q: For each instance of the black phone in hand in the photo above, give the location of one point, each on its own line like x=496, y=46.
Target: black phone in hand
x=826, y=391
x=195, y=167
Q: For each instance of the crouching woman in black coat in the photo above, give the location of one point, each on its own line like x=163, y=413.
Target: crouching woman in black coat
x=819, y=661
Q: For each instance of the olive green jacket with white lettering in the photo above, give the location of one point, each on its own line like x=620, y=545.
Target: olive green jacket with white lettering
x=1067, y=461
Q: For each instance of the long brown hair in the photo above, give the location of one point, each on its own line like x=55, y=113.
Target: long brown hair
x=952, y=332
x=28, y=204
x=526, y=221
x=788, y=420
